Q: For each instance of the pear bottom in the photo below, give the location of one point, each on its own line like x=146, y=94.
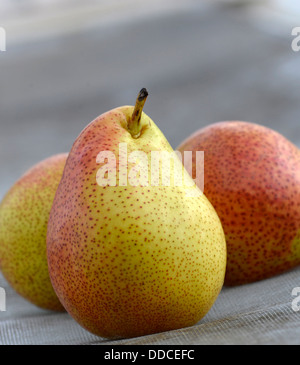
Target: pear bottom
x=143, y=278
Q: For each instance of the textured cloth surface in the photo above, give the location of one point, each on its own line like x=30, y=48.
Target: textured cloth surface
x=259, y=313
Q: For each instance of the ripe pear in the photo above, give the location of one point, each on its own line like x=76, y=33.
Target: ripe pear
x=24, y=214
x=252, y=178
x=129, y=257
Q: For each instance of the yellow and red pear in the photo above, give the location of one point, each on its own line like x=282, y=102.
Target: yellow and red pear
x=252, y=178
x=24, y=214
x=131, y=259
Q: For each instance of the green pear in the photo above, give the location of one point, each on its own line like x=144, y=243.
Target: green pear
x=252, y=178
x=24, y=214
x=130, y=254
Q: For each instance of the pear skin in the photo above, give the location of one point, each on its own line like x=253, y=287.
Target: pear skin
x=128, y=260
x=252, y=178
x=24, y=214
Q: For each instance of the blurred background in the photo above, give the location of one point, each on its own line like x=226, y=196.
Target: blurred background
x=67, y=61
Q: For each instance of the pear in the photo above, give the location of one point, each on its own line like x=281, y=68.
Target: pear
x=252, y=178
x=24, y=214
x=129, y=255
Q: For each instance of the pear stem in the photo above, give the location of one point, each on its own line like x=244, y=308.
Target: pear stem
x=134, y=124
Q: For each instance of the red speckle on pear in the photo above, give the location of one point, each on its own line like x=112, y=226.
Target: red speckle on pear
x=252, y=178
